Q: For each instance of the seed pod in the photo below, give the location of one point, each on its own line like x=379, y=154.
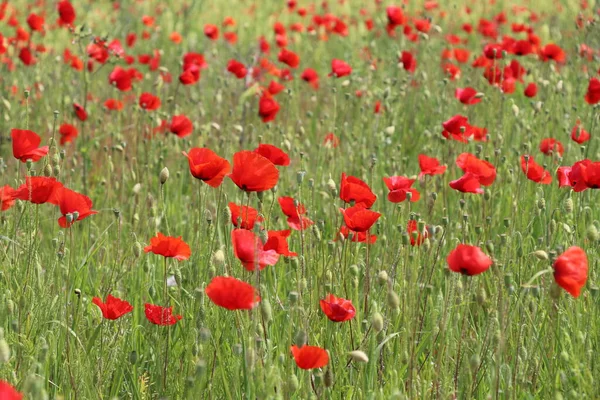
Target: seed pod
x=377, y=322
x=359, y=356
x=328, y=378
x=393, y=300
x=164, y=175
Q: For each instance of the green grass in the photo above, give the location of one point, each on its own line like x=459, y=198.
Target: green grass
x=497, y=335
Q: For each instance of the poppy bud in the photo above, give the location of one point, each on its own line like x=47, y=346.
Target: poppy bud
x=359, y=356
x=292, y=384
x=377, y=322
x=300, y=176
x=164, y=175
x=316, y=232
x=355, y=282
x=592, y=233
x=541, y=203
x=47, y=170
x=568, y=204
x=354, y=270
x=293, y=297
x=328, y=378
x=474, y=362
x=393, y=300
x=382, y=277
x=301, y=338
x=265, y=310
x=250, y=358
x=4, y=352
x=541, y=255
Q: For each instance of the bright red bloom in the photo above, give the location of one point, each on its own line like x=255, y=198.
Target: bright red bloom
x=289, y=58
x=26, y=57
x=468, y=260
x=211, y=31
x=39, y=190
x=114, y=308
x=310, y=75
x=413, y=227
x=409, y=61
x=120, y=78
x=249, y=249
x=169, y=246
x=68, y=133
x=331, y=140
x=7, y=197
x=531, y=90
x=563, y=176
x=244, y=217
x=66, y=12
x=571, y=269
x=553, y=52
x=231, y=293
x=355, y=190
x=467, y=96
x=253, y=172
x=277, y=240
x=585, y=174
x=237, y=68
x=113, y=104
x=190, y=74
x=275, y=87
x=337, y=309
x=35, y=22
x=578, y=134
x=468, y=183
x=358, y=218
x=534, y=171
x=399, y=186
x=267, y=107
x=78, y=205
x=339, y=68
x=80, y=112
x=161, y=315
x=549, y=146
x=207, y=166
x=273, y=154
x=395, y=16
x=25, y=145
x=310, y=357
x=483, y=170
x=295, y=213
x=149, y=102
x=593, y=92
x=181, y=126
x=456, y=128
x=430, y=166
x=7, y=392
x=357, y=237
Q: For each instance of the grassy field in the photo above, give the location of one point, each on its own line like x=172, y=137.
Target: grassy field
x=137, y=162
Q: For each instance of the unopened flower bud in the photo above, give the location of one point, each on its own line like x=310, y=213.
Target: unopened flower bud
x=164, y=175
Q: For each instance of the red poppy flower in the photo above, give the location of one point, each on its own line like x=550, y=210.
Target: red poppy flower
x=68, y=133
x=563, y=176
x=149, y=102
x=80, y=112
x=120, y=78
x=77, y=205
x=114, y=308
x=337, y=309
x=593, y=92
x=7, y=392
x=253, y=172
x=244, y=217
x=237, y=68
x=161, y=315
x=358, y=218
x=310, y=357
x=534, y=171
x=25, y=145
x=273, y=154
x=409, y=61
x=66, y=12
x=399, y=186
x=339, y=68
x=296, y=220
x=531, y=90
x=416, y=238
x=430, y=166
x=571, y=269
x=331, y=140
x=7, y=197
x=549, y=146
x=277, y=240
x=35, y=22
x=169, y=246
x=357, y=237
x=207, y=166
x=275, y=87
x=39, y=190
x=395, y=16
x=267, y=107
x=190, y=74
x=585, y=174
x=249, y=249
x=468, y=183
x=310, y=75
x=211, y=31
x=26, y=57
x=355, y=190
x=553, y=52
x=468, y=260
x=456, y=128
x=289, y=58
x=467, y=96
x=181, y=126
x=231, y=293
x=578, y=134
x=113, y=104
x=483, y=170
